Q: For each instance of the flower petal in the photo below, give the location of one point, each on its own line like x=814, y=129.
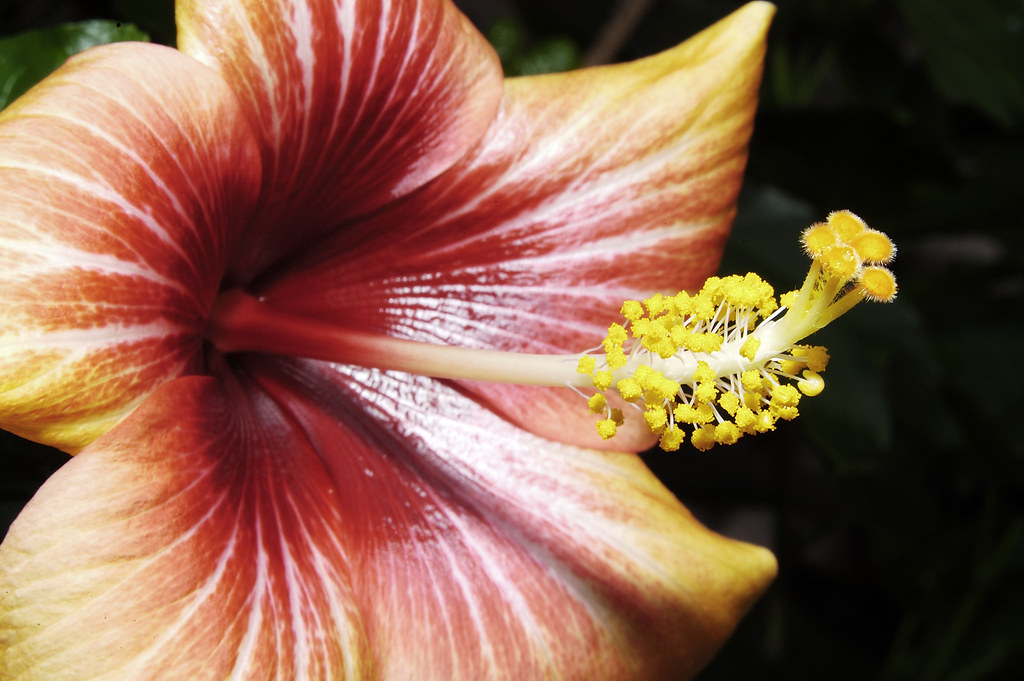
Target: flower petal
x=517, y=558
x=356, y=102
x=124, y=179
x=190, y=542
x=591, y=187
x=223, y=535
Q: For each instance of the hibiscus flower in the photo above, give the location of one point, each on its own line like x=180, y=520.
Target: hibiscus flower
x=248, y=513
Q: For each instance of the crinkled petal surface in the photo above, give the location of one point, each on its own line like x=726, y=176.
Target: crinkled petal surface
x=250, y=532
x=356, y=102
x=591, y=187
x=124, y=178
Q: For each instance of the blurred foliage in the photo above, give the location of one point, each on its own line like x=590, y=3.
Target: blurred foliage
x=522, y=56
x=973, y=52
x=28, y=57
x=896, y=503
x=153, y=17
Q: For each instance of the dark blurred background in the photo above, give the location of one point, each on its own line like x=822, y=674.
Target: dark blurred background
x=895, y=504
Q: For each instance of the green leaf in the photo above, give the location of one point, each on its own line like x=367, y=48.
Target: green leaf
x=506, y=36
x=552, y=55
x=28, y=57
x=523, y=55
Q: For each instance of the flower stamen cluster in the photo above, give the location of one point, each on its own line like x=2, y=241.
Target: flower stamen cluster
x=728, y=361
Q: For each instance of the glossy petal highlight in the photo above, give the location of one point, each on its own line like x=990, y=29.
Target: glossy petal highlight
x=590, y=188
x=356, y=102
x=125, y=177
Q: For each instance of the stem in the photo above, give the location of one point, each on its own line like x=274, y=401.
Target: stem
x=240, y=323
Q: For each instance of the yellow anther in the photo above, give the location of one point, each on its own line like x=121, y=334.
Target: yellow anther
x=616, y=336
x=749, y=348
x=703, y=438
x=617, y=417
x=705, y=392
x=765, y=293
x=703, y=308
x=750, y=291
x=815, y=356
x=651, y=339
x=726, y=433
x=791, y=367
x=671, y=439
x=643, y=375
x=630, y=389
x=712, y=287
x=656, y=417
x=784, y=402
x=606, y=429
x=785, y=396
x=597, y=403
x=812, y=383
x=765, y=422
x=703, y=342
x=668, y=389
x=655, y=305
x=846, y=224
x=817, y=238
x=766, y=308
x=660, y=389
x=878, y=283
x=682, y=303
x=745, y=419
x=730, y=402
x=602, y=379
x=679, y=335
x=874, y=247
x=685, y=413
x=664, y=347
x=751, y=381
x=666, y=322
x=586, y=365
x=641, y=327
x=704, y=372
x=632, y=310
x=616, y=358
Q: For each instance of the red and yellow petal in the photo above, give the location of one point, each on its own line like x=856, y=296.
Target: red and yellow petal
x=591, y=187
x=125, y=178
x=193, y=541
x=357, y=102
x=517, y=557
x=403, y=532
